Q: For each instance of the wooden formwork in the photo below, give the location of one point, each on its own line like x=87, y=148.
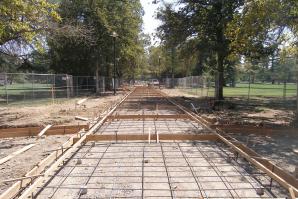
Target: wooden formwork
x=283, y=178
x=142, y=117
x=34, y=131
x=254, y=129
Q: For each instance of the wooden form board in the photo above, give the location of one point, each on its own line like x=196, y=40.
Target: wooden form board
x=34, y=131
x=254, y=130
x=47, y=174
x=81, y=101
x=16, y=187
x=155, y=117
x=5, y=159
x=273, y=171
x=283, y=178
x=257, y=161
x=211, y=137
x=43, y=131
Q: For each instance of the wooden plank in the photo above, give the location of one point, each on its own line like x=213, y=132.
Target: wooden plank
x=21, y=129
x=284, y=180
x=279, y=175
x=292, y=194
x=127, y=137
x=33, y=131
x=81, y=118
x=16, y=187
x=81, y=101
x=21, y=178
x=44, y=130
x=3, y=160
x=118, y=117
x=47, y=175
x=254, y=130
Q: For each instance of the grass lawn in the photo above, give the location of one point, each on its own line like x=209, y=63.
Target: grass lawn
x=15, y=89
x=256, y=90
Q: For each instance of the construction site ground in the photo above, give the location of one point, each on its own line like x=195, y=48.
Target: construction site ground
x=166, y=169
x=59, y=113
x=62, y=113
x=21, y=164
x=169, y=169
x=281, y=148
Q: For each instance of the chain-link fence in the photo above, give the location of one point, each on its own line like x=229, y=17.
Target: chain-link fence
x=197, y=85
x=18, y=88
x=247, y=88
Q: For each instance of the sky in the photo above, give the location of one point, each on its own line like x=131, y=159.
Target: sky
x=150, y=23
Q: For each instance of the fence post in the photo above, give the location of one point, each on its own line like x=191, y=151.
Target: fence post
x=202, y=86
x=87, y=83
x=285, y=90
x=248, y=94
x=54, y=86
x=53, y=97
x=297, y=91
x=77, y=85
x=67, y=86
x=5, y=83
x=32, y=79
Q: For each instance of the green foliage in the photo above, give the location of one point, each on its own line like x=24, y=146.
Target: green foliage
x=25, y=20
x=80, y=54
x=204, y=22
x=218, y=34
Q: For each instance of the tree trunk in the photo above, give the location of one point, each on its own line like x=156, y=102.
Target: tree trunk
x=297, y=95
x=220, y=76
x=108, y=77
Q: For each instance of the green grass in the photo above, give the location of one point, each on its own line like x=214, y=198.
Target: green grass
x=34, y=102
x=15, y=89
x=256, y=90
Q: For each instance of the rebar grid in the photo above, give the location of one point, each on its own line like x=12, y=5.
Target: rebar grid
x=133, y=169
x=141, y=174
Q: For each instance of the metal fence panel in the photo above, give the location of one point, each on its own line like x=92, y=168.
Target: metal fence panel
x=25, y=88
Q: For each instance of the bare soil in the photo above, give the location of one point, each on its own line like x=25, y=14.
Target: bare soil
x=238, y=111
x=281, y=149
x=24, y=162
x=62, y=113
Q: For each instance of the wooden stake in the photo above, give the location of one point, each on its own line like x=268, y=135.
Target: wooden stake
x=149, y=136
x=44, y=131
x=22, y=178
x=81, y=118
x=81, y=101
x=292, y=194
x=3, y=160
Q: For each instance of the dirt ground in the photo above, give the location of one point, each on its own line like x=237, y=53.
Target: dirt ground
x=237, y=111
x=62, y=113
x=24, y=162
x=57, y=114
x=279, y=148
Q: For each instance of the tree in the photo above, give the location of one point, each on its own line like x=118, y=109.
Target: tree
x=262, y=28
x=70, y=53
x=221, y=28
x=24, y=20
x=206, y=21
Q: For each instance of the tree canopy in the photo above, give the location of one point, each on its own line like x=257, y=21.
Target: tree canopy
x=219, y=33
